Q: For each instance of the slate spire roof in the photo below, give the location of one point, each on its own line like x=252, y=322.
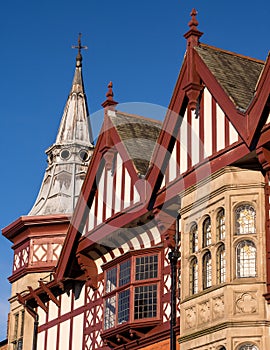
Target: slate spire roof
x=69, y=156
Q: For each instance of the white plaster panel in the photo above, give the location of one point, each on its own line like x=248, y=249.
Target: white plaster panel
x=77, y=336
x=53, y=311
x=195, y=139
x=156, y=235
x=41, y=341
x=183, y=144
x=64, y=335
x=127, y=189
x=109, y=195
x=91, y=215
x=136, y=196
x=220, y=118
x=208, y=147
x=52, y=338
x=42, y=316
x=118, y=184
x=233, y=135
x=173, y=164
x=100, y=198
x=65, y=303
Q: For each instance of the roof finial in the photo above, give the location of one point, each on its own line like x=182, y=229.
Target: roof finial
x=79, y=47
x=193, y=35
x=193, y=23
x=109, y=101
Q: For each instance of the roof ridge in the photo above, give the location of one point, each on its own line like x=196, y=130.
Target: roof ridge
x=231, y=53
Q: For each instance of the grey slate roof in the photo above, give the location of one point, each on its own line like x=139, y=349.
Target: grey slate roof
x=139, y=136
x=237, y=74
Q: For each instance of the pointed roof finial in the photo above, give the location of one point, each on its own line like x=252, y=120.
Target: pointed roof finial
x=193, y=22
x=193, y=35
x=109, y=101
x=79, y=47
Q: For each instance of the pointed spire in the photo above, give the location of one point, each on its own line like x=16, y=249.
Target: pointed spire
x=109, y=103
x=69, y=156
x=193, y=35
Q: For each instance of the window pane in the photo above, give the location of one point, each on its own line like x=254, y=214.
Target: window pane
x=111, y=280
x=207, y=271
x=146, y=267
x=246, y=259
x=221, y=224
x=123, y=306
x=245, y=216
x=207, y=236
x=194, y=276
x=109, y=317
x=221, y=265
x=194, y=238
x=145, y=302
x=124, y=276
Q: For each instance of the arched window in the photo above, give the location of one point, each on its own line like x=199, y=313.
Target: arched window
x=193, y=279
x=207, y=237
x=194, y=238
x=221, y=264
x=245, y=219
x=246, y=259
x=248, y=347
x=221, y=224
x=207, y=270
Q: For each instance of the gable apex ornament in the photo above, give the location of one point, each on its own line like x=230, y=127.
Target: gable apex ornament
x=193, y=87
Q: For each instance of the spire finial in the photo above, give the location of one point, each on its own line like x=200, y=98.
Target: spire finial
x=193, y=23
x=193, y=35
x=79, y=47
x=109, y=101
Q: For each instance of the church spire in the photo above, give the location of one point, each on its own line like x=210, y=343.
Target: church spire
x=69, y=156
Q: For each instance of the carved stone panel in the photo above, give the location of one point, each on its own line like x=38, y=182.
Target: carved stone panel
x=218, y=307
x=246, y=303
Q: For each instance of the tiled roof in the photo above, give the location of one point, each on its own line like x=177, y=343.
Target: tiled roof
x=139, y=136
x=238, y=75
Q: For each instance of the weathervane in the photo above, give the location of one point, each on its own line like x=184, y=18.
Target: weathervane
x=79, y=47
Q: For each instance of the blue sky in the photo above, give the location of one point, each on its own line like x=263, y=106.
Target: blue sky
x=138, y=45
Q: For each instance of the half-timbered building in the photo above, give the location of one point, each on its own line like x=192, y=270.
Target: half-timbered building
x=170, y=235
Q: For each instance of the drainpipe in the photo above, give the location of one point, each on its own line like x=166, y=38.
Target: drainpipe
x=174, y=255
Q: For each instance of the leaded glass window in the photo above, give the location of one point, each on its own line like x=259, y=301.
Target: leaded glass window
x=246, y=259
x=194, y=276
x=145, y=302
x=245, y=219
x=207, y=236
x=194, y=238
x=146, y=267
x=110, y=312
x=221, y=224
x=207, y=270
x=131, y=284
x=248, y=347
x=221, y=264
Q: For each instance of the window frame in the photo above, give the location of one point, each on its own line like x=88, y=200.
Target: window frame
x=131, y=286
x=237, y=213
x=221, y=264
x=194, y=238
x=220, y=224
x=207, y=272
x=193, y=287
x=206, y=232
x=238, y=259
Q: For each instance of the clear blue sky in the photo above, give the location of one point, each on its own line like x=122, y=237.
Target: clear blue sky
x=139, y=45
